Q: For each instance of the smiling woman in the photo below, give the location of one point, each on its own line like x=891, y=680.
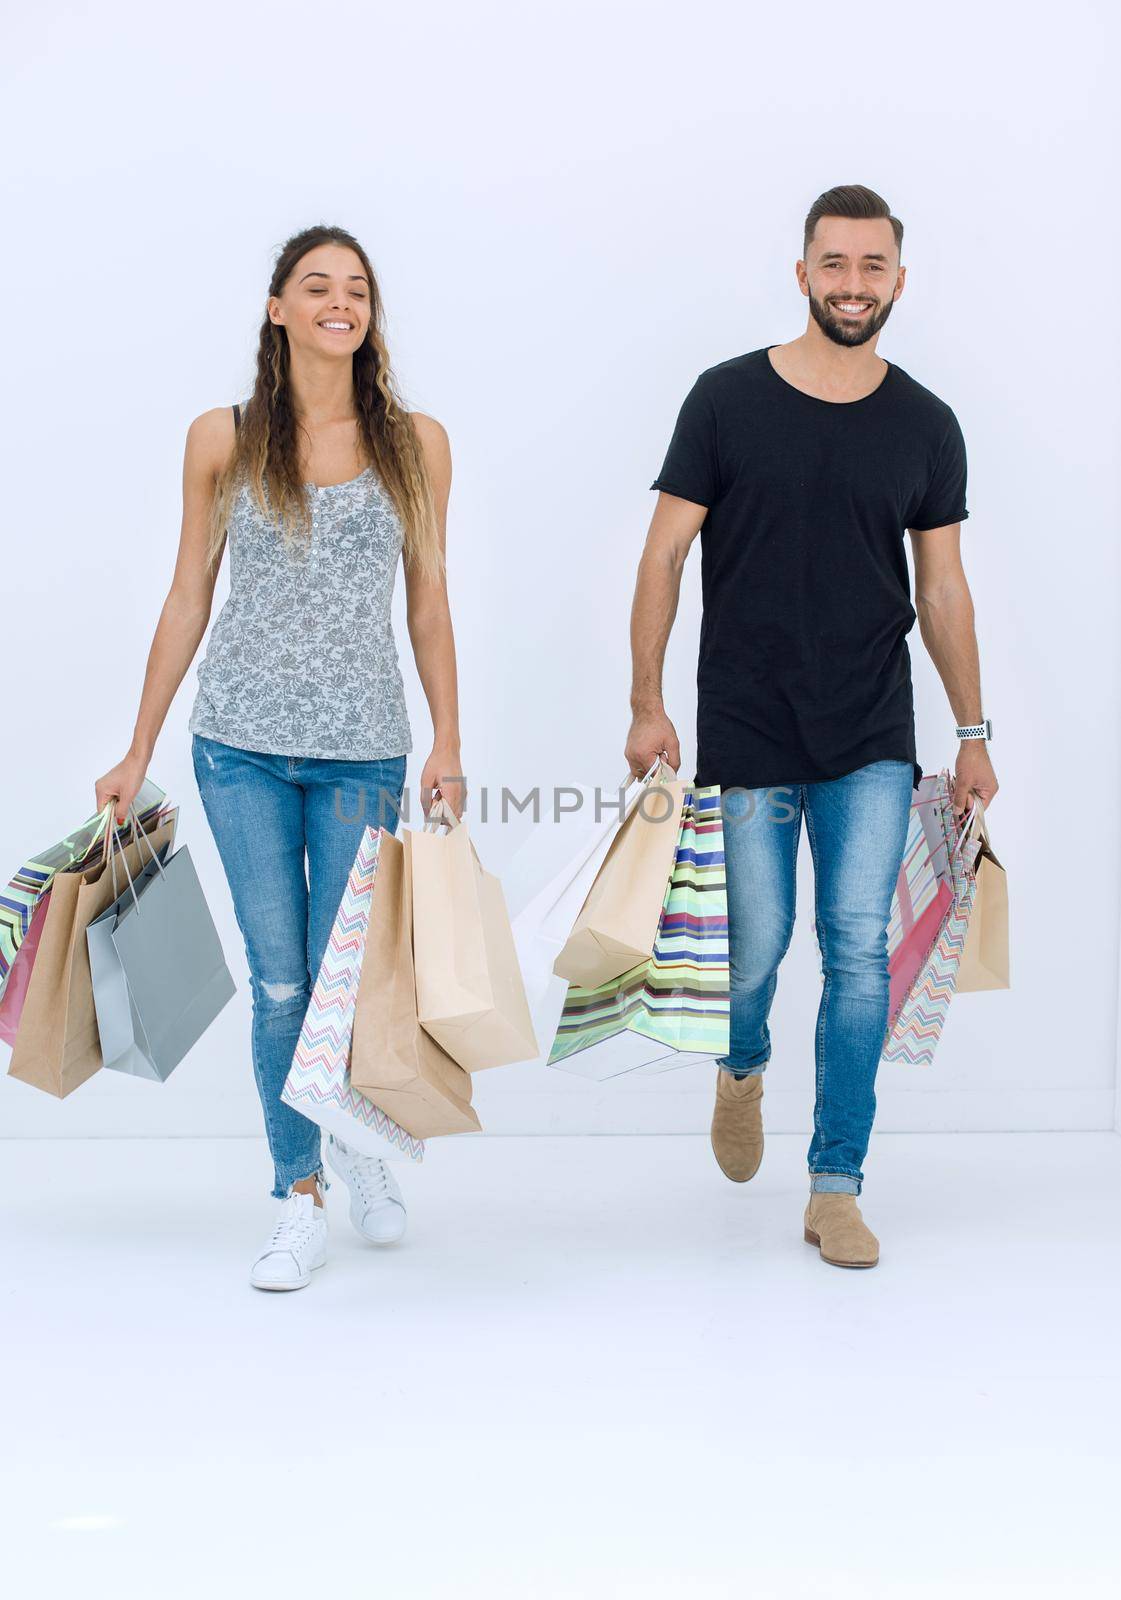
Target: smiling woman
x=323, y=484
x=324, y=294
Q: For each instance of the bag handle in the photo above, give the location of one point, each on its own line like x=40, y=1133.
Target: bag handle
x=440, y=815
x=105, y=821
x=107, y=832
x=138, y=833
x=648, y=775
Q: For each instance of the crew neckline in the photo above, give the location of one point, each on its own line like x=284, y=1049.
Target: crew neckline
x=833, y=405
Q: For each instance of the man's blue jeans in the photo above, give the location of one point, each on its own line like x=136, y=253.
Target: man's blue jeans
x=265, y=812
x=857, y=828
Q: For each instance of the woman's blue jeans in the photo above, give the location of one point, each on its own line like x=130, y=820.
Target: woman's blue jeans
x=266, y=811
x=857, y=828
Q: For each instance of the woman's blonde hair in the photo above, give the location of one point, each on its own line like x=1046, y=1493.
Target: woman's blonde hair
x=265, y=454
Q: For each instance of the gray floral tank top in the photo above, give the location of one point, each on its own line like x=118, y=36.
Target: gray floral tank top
x=301, y=660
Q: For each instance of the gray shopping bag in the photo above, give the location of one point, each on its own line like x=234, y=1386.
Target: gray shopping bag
x=159, y=975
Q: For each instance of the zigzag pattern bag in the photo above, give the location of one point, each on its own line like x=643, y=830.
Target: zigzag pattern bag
x=318, y=1082
x=930, y=913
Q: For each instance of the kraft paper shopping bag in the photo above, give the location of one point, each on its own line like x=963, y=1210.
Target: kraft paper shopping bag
x=393, y=1060
x=984, y=961
x=57, y=1046
x=80, y=850
x=318, y=1083
x=672, y=1009
x=470, y=995
x=616, y=925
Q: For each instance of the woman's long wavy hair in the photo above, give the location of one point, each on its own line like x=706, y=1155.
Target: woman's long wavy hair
x=265, y=454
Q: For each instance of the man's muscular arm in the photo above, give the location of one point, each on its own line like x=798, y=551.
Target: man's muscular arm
x=946, y=622
x=673, y=527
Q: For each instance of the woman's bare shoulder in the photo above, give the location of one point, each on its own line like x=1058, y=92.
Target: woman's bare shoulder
x=432, y=434
x=210, y=439
x=433, y=437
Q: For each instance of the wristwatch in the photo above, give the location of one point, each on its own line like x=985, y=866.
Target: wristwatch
x=976, y=730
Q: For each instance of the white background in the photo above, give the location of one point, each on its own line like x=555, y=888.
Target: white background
x=572, y=211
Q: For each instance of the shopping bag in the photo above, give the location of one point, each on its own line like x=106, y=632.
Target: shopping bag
x=545, y=920
x=984, y=961
x=15, y=990
x=156, y=964
x=921, y=899
x=917, y=1015
x=615, y=927
x=671, y=1009
x=77, y=852
x=393, y=1061
x=469, y=990
x=318, y=1083
x=57, y=1046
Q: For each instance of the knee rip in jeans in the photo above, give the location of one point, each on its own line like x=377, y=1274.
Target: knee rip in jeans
x=283, y=994
x=280, y=991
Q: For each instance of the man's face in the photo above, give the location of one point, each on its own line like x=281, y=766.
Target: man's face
x=852, y=277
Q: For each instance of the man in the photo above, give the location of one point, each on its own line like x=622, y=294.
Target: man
x=801, y=466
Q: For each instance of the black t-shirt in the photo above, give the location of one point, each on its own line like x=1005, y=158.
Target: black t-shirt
x=804, y=671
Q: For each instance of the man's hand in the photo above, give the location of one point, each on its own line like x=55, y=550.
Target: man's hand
x=652, y=734
x=973, y=775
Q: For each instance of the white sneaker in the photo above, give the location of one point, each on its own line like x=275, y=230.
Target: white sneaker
x=377, y=1207
x=296, y=1246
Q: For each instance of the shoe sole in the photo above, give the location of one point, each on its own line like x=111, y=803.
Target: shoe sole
x=814, y=1239
x=283, y=1288
x=382, y=1244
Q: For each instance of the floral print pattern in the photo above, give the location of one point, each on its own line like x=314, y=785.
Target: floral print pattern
x=302, y=660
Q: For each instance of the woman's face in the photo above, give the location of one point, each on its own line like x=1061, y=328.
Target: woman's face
x=325, y=304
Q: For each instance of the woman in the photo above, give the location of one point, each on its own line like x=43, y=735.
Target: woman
x=299, y=727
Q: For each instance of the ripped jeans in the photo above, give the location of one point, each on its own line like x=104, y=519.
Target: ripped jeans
x=266, y=811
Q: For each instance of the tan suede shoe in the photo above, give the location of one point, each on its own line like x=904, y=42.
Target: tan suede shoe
x=833, y=1222
x=737, y=1125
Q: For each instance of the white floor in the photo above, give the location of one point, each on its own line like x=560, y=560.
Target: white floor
x=593, y=1368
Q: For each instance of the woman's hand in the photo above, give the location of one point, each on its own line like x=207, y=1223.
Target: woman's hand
x=444, y=771
x=122, y=783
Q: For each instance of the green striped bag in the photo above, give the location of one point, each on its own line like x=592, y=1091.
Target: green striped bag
x=672, y=1008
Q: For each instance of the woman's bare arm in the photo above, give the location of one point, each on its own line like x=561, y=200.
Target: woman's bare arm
x=186, y=610
x=432, y=638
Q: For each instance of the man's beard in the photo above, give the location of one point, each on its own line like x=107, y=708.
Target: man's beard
x=848, y=333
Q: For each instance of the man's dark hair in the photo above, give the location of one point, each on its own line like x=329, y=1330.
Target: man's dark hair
x=850, y=200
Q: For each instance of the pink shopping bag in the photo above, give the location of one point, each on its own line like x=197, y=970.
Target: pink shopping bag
x=19, y=975
x=929, y=921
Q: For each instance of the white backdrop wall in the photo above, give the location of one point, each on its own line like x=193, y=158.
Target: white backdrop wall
x=573, y=209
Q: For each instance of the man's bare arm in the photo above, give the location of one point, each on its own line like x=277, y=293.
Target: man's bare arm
x=946, y=622
x=673, y=527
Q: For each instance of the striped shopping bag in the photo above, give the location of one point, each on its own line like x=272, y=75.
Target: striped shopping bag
x=672, y=1008
x=929, y=921
x=318, y=1082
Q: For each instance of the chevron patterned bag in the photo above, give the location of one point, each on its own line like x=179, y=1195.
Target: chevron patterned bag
x=930, y=913
x=671, y=1009
x=318, y=1082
